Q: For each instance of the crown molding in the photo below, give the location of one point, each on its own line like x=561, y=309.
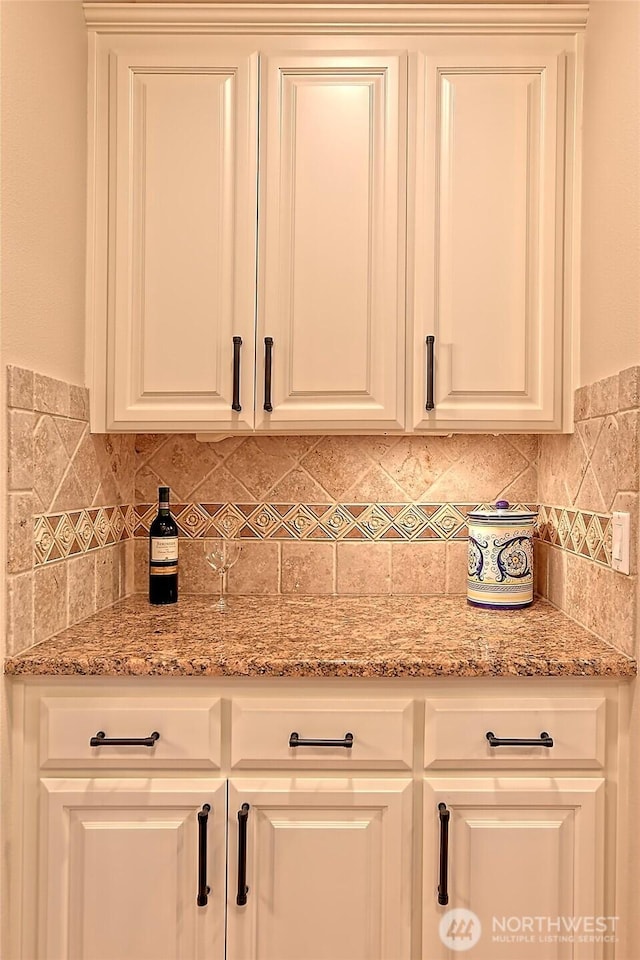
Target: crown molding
x=555, y=17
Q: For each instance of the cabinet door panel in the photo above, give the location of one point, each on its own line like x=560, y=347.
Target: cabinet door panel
x=331, y=257
x=119, y=870
x=328, y=870
x=488, y=255
x=184, y=174
x=517, y=849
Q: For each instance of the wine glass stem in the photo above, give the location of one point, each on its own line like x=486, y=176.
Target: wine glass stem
x=221, y=601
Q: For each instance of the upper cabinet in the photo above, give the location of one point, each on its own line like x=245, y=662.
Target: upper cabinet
x=331, y=228
x=488, y=244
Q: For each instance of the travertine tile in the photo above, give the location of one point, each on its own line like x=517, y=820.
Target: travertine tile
x=308, y=568
x=604, y=461
x=89, y=462
x=628, y=450
x=621, y=612
x=524, y=489
x=363, y=569
x=557, y=577
x=127, y=568
x=70, y=432
x=582, y=403
x=49, y=600
x=141, y=566
x=418, y=569
x=70, y=495
x=337, y=463
x=457, y=566
x=416, y=463
x=258, y=569
x=221, y=487
x=629, y=388
x=589, y=495
x=50, y=461
x=51, y=396
x=195, y=575
x=78, y=402
x=259, y=463
x=20, y=449
x=81, y=586
x=297, y=487
x=20, y=387
x=19, y=612
x=540, y=568
x=107, y=577
x=376, y=486
x=183, y=463
x=486, y=466
x=604, y=397
x=20, y=533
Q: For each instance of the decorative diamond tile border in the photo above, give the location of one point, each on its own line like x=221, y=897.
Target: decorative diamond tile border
x=581, y=532
x=60, y=535
x=317, y=521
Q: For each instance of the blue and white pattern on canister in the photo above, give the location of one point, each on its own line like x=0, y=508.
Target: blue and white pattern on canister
x=500, y=575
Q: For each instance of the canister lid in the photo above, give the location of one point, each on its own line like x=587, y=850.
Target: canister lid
x=503, y=513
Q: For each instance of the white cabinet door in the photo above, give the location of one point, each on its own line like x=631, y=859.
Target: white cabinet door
x=487, y=254
x=526, y=856
x=328, y=870
x=179, y=207
x=119, y=870
x=331, y=247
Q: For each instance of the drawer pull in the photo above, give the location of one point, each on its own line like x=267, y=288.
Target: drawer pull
x=443, y=885
x=101, y=740
x=243, y=889
x=297, y=741
x=544, y=741
x=203, y=889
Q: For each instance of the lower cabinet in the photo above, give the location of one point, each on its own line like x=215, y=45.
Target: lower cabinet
x=317, y=820
x=525, y=855
x=328, y=869
x=119, y=869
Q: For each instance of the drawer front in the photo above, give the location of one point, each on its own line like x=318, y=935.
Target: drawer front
x=189, y=732
x=382, y=733
x=456, y=732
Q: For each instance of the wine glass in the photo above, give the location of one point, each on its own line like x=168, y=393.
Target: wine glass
x=221, y=556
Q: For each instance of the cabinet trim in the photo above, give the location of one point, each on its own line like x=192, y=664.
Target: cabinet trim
x=339, y=18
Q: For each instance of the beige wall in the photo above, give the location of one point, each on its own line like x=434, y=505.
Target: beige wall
x=44, y=56
x=610, y=332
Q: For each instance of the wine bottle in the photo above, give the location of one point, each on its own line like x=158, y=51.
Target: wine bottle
x=163, y=553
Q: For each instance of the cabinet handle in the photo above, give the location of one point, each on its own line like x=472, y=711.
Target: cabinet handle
x=430, y=405
x=101, y=740
x=443, y=885
x=268, y=351
x=544, y=741
x=243, y=889
x=296, y=741
x=203, y=889
x=236, y=405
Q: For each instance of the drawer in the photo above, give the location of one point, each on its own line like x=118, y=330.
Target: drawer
x=189, y=732
x=456, y=732
x=382, y=733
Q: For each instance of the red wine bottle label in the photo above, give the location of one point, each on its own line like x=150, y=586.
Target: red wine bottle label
x=164, y=549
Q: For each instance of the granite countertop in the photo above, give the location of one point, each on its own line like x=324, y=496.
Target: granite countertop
x=324, y=636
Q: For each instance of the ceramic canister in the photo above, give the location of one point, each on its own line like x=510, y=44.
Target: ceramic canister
x=500, y=573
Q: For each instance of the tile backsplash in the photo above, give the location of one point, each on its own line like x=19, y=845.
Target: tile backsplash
x=317, y=515
x=66, y=490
